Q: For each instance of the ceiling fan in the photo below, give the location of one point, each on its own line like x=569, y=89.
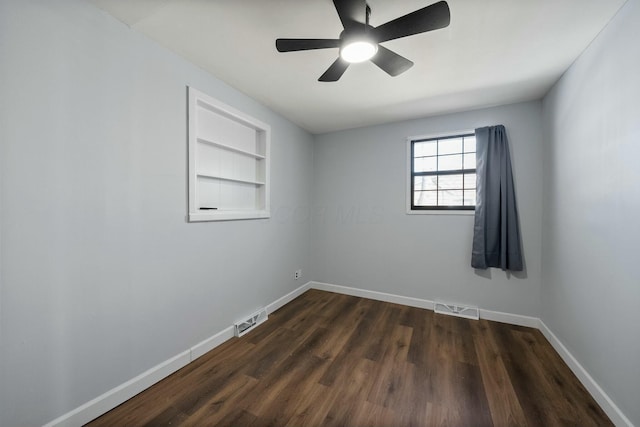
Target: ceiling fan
x=360, y=41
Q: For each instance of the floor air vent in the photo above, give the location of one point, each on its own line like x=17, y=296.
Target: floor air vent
x=452, y=309
x=250, y=322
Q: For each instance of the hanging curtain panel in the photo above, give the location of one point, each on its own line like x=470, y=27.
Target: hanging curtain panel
x=496, y=232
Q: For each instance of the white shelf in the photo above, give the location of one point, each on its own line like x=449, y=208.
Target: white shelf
x=227, y=215
x=230, y=148
x=224, y=178
x=225, y=146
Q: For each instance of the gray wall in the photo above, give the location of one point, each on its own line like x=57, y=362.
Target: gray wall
x=591, y=281
x=362, y=236
x=101, y=277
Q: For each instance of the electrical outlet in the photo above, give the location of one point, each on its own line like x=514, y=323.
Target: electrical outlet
x=297, y=274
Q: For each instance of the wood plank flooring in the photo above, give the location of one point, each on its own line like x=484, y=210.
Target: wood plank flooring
x=327, y=359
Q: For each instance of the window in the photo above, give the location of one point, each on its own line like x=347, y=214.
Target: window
x=443, y=172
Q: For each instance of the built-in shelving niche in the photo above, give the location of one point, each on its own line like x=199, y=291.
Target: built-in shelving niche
x=228, y=162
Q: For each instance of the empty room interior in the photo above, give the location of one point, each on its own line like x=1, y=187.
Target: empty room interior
x=319, y=213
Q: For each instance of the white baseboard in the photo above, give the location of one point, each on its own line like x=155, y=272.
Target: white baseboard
x=375, y=295
x=514, y=319
x=114, y=397
x=605, y=402
x=288, y=297
x=510, y=318
x=210, y=343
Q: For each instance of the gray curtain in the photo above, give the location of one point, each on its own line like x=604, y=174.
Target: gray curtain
x=496, y=232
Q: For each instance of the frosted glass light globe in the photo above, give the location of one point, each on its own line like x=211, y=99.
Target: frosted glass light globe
x=358, y=51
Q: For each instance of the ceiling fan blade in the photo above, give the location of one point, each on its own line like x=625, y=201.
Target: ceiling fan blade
x=335, y=71
x=290, y=45
x=426, y=19
x=352, y=13
x=390, y=62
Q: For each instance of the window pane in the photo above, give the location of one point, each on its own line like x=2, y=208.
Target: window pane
x=425, y=198
x=469, y=180
x=425, y=183
x=417, y=165
x=450, y=197
x=470, y=161
x=447, y=163
x=425, y=164
x=449, y=146
x=469, y=144
x=426, y=148
x=417, y=150
x=446, y=182
x=469, y=197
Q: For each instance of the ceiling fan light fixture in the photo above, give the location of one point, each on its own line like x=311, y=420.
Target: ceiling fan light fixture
x=358, y=50
x=360, y=41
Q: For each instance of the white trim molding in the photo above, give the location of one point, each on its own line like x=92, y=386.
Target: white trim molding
x=288, y=297
x=378, y=296
x=514, y=319
x=114, y=397
x=608, y=406
x=210, y=343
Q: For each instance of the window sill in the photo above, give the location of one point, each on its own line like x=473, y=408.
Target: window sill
x=441, y=212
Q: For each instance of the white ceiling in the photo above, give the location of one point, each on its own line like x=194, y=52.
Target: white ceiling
x=494, y=52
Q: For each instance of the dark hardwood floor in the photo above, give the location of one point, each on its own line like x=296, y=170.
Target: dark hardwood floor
x=327, y=359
